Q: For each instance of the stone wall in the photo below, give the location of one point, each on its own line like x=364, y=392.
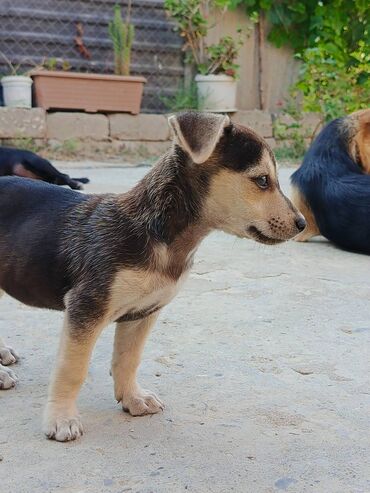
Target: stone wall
x=132, y=132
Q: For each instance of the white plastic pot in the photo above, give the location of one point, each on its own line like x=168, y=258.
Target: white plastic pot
x=17, y=91
x=216, y=93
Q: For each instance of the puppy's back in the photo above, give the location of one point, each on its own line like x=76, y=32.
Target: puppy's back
x=32, y=215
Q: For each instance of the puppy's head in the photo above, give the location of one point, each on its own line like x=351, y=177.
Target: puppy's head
x=359, y=146
x=243, y=197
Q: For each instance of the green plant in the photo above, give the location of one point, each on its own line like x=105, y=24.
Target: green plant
x=70, y=146
x=56, y=64
x=192, y=23
x=290, y=152
x=330, y=84
x=331, y=38
x=185, y=98
x=27, y=143
x=294, y=133
x=122, y=35
x=222, y=56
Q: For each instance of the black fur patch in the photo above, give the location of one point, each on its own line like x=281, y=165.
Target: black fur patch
x=240, y=148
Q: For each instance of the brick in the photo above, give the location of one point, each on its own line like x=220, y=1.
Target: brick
x=259, y=121
x=65, y=126
x=146, y=149
x=22, y=123
x=139, y=127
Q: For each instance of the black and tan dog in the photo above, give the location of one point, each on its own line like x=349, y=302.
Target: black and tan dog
x=27, y=164
x=332, y=186
x=122, y=258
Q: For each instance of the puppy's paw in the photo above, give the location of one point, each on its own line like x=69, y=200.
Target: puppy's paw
x=8, y=378
x=142, y=402
x=8, y=356
x=62, y=426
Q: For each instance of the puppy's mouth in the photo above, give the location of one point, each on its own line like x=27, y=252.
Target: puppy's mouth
x=257, y=235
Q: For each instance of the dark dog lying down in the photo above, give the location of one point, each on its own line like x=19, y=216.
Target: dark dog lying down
x=27, y=164
x=122, y=258
x=332, y=186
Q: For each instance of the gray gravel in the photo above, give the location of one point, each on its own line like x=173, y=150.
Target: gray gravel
x=262, y=360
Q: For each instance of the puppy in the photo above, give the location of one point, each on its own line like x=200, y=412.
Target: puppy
x=332, y=186
x=27, y=164
x=122, y=258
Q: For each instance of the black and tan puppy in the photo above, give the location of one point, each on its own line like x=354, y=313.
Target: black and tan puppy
x=27, y=164
x=122, y=258
x=332, y=186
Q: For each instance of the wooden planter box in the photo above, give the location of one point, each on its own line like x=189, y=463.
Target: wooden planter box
x=89, y=92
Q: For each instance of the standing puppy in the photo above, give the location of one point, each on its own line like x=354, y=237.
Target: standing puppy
x=122, y=258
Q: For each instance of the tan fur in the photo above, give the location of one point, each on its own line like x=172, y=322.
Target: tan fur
x=7, y=357
x=20, y=170
x=362, y=139
x=61, y=419
x=141, y=288
x=128, y=347
x=301, y=204
x=234, y=202
x=133, y=289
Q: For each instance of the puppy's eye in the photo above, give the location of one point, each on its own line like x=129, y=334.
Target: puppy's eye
x=262, y=181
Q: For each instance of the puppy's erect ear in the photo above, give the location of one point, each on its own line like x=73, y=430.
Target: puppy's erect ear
x=198, y=133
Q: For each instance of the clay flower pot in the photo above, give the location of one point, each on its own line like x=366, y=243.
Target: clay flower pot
x=89, y=92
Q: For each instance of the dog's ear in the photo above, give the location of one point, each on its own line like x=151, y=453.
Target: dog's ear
x=198, y=133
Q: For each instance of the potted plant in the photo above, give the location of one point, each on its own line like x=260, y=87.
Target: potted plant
x=215, y=64
x=96, y=92
x=17, y=91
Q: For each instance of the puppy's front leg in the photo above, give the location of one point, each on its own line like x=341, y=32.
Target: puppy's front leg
x=7, y=357
x=61, y=420
x=128, y=346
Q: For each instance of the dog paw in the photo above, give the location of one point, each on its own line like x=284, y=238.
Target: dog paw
x=62, y=427
x=141, y=403
x=8, y=378
x=8, y=356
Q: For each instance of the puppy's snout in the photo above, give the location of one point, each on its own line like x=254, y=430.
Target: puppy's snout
x=300, y=222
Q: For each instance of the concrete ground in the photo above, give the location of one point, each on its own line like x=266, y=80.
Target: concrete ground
x=262, y=360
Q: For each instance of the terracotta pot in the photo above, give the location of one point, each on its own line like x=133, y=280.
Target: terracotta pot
x=89, y=92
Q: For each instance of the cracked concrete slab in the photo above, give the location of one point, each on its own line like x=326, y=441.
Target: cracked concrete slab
x=262, y=360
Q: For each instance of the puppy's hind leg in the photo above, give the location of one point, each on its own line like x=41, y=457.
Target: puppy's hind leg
x=44, y=170
x=128, y=346
x=7, y=357
x=61, y=419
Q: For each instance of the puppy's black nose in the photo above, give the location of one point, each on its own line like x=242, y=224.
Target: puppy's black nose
x=300, y=223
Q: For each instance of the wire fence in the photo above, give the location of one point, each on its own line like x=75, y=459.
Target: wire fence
x=74, y=34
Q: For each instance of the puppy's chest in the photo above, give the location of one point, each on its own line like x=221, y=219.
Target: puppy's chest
x=137, y=293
